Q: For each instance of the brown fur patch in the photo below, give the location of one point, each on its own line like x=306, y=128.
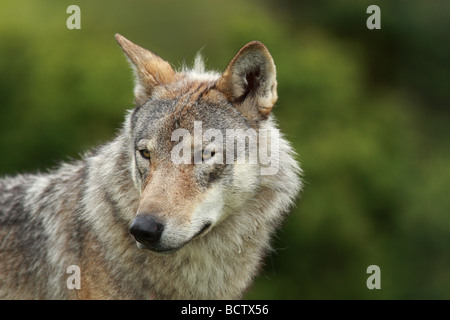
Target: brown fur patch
x=174, y=183
x=151, y=70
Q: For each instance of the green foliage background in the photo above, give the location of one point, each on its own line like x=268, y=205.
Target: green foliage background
x=367, y=111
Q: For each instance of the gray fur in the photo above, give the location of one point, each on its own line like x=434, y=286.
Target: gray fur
x=80, y=213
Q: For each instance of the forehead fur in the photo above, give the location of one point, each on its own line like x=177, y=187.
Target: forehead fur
x=188, y=81
x=192, y=97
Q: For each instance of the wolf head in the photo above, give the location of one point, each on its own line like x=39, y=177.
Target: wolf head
x=187, y=129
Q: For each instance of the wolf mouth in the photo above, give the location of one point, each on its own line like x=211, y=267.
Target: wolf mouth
x=202, y=230
x=162, y=250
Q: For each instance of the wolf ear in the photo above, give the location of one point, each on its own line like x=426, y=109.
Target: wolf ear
x=150, y=69
x=249, y=81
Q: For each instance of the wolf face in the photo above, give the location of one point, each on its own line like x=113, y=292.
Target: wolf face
x=180, y=202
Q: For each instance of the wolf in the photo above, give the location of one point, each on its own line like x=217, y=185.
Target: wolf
x=135, y=223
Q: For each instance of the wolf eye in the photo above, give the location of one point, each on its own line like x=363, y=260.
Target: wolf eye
x=206, y=156
x=145, y=154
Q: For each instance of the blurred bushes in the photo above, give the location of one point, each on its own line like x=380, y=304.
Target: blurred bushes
x=367, y=112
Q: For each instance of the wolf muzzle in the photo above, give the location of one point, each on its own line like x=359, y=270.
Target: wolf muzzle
x=146, y=229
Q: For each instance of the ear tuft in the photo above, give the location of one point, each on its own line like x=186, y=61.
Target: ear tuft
x=249, y=81
x=150, y=70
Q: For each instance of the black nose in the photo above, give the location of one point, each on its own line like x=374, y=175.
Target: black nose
x=146, y=229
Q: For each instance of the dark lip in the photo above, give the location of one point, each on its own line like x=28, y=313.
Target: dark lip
x=160, y=251
x=202, y=230
x=172, y=250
